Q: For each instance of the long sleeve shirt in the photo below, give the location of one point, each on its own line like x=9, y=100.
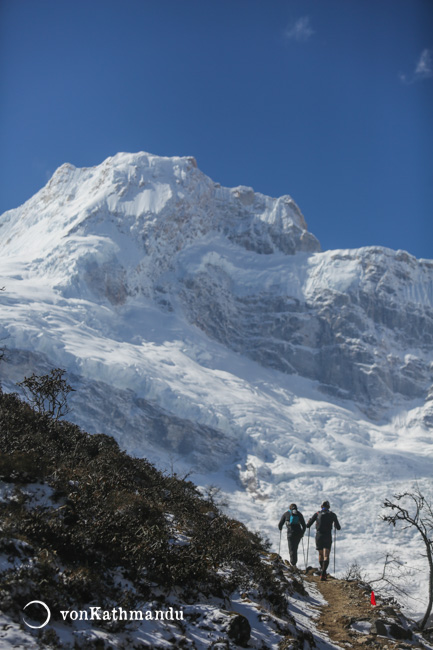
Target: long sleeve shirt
x=324, y=521
x=286, y=518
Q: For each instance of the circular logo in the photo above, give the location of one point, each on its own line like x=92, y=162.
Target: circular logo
x=38, y=602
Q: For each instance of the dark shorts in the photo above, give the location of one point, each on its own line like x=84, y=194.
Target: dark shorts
x=323, y=541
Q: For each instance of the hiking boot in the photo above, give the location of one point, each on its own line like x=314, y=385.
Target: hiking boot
x=323, y=576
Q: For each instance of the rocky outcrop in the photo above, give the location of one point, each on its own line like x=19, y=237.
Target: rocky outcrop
x=369, y=339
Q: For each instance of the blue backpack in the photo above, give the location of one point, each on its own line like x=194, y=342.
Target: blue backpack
x=294, y=517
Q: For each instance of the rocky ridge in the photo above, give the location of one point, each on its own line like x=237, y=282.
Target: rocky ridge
x=359, y=322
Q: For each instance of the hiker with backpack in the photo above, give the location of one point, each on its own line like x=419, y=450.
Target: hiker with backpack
x=325, y=520
x=295, y=524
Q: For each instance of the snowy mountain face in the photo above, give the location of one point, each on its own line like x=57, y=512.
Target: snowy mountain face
x=203, y=327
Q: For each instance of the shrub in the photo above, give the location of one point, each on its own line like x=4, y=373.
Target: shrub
x=48, y=393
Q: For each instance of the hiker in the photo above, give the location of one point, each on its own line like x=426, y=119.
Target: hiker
x=295, y=524
x=324, y=520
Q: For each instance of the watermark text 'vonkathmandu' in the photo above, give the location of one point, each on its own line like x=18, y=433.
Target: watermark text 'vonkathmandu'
x=115, y=614
x=120, y=614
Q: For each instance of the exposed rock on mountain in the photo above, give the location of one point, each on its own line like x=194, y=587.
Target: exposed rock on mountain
x=359, y=322
x=203, y=328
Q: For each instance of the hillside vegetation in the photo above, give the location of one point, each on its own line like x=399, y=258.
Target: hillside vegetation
x=85, y=527
x=83, y=523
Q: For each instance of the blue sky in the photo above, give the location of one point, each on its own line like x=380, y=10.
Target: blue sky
x=330, y=101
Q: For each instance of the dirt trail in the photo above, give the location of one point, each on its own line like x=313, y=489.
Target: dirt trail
x=346, y=603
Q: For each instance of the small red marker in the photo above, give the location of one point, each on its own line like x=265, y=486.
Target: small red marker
x=372, y=599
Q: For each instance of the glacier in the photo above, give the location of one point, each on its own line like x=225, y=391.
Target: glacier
x=204, y=328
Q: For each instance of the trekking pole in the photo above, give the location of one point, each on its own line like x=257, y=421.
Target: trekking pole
x=308, y=546
x=279, y=545
x=335, y=545
x=303, y=550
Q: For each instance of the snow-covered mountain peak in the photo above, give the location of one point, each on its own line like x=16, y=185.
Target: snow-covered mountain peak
x=239, y=265
x=203, y=324
x=128, y=217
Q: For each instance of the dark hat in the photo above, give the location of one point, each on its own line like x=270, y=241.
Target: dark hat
x=293, y=506
x=325, y=504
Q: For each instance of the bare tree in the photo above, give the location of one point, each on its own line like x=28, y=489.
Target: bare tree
x=396, y=578
x=418, y=514
x=48, y=393
x=214, y=494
